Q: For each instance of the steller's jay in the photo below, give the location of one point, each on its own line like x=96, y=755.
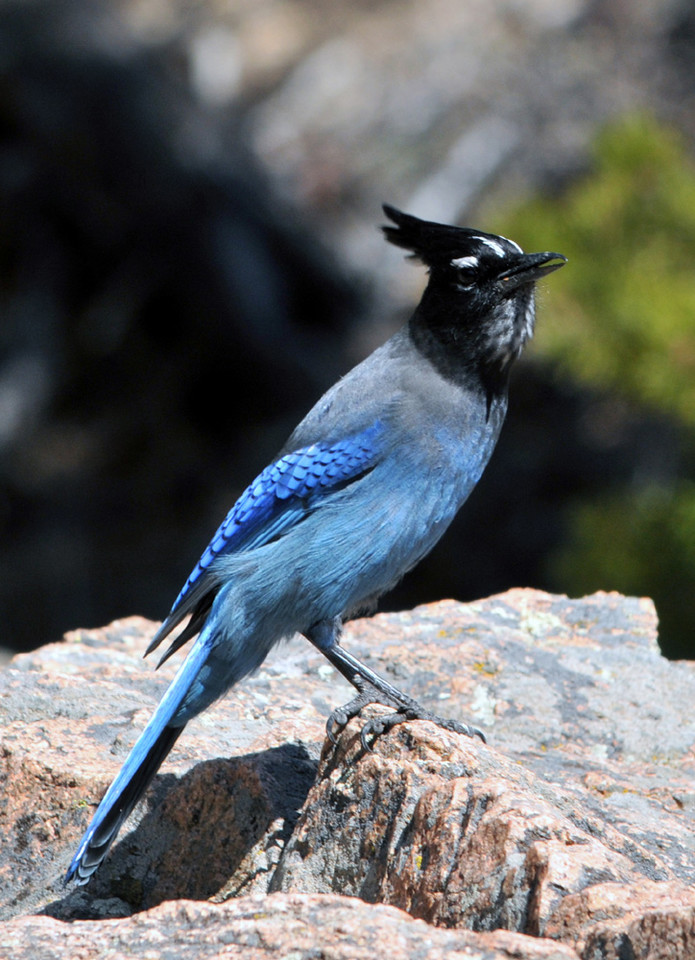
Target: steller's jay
x=362, y=490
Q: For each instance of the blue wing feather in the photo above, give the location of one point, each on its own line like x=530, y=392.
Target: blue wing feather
x=276, y=500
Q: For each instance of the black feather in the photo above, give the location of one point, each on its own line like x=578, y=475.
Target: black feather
x=433, y=243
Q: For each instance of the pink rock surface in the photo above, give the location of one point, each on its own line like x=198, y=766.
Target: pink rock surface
x=574, y=823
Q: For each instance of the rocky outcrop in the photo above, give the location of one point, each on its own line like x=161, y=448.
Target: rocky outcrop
x=570, y=832
x=281, y=925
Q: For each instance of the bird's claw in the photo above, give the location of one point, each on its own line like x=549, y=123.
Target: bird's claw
x=377, y=726
x=337, y=719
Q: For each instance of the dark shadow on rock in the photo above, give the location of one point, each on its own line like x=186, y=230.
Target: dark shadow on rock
x=215, y=830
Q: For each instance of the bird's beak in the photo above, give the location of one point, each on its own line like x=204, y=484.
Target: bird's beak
x=529, y=267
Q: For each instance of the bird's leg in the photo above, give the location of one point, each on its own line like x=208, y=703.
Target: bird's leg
x=371, y=689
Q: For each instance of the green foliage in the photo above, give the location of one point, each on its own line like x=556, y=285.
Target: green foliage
x=623, y=320
x=640, y=543
x=624, y=309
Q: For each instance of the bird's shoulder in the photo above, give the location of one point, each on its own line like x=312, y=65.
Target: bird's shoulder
x=398, y=387
x=363, y=396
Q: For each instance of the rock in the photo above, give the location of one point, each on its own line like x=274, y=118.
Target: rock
x=74, y=709
x=609, y=920
x=258, y=927
x=461, y=837
x=574, y=823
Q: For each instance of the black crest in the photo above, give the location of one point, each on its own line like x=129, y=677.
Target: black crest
x=434, y=243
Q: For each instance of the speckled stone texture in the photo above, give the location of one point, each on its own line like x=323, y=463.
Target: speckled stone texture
x=573, y=824
x=291, y=926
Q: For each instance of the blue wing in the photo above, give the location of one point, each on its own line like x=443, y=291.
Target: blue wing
x=277, y=499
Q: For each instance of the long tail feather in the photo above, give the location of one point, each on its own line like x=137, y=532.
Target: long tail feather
x=135, y=775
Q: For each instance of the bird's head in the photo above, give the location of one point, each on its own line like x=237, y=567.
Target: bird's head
x=480, y=296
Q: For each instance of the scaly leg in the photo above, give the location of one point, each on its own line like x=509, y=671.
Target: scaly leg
x=371, y=689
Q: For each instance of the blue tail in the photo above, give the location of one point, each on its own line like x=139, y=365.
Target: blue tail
x=142, y=763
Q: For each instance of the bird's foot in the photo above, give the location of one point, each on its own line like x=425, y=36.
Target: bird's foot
x=404, y=708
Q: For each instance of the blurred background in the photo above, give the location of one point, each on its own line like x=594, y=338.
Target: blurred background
x=189, y=256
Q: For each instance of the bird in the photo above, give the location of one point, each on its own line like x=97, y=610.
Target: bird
x=364, y=487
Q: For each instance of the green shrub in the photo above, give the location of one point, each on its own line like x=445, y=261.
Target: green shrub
x=623, y=313
x=623, y=320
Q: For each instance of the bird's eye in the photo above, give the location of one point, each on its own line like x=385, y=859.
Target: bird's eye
x=466, y=271
x=465, y=278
